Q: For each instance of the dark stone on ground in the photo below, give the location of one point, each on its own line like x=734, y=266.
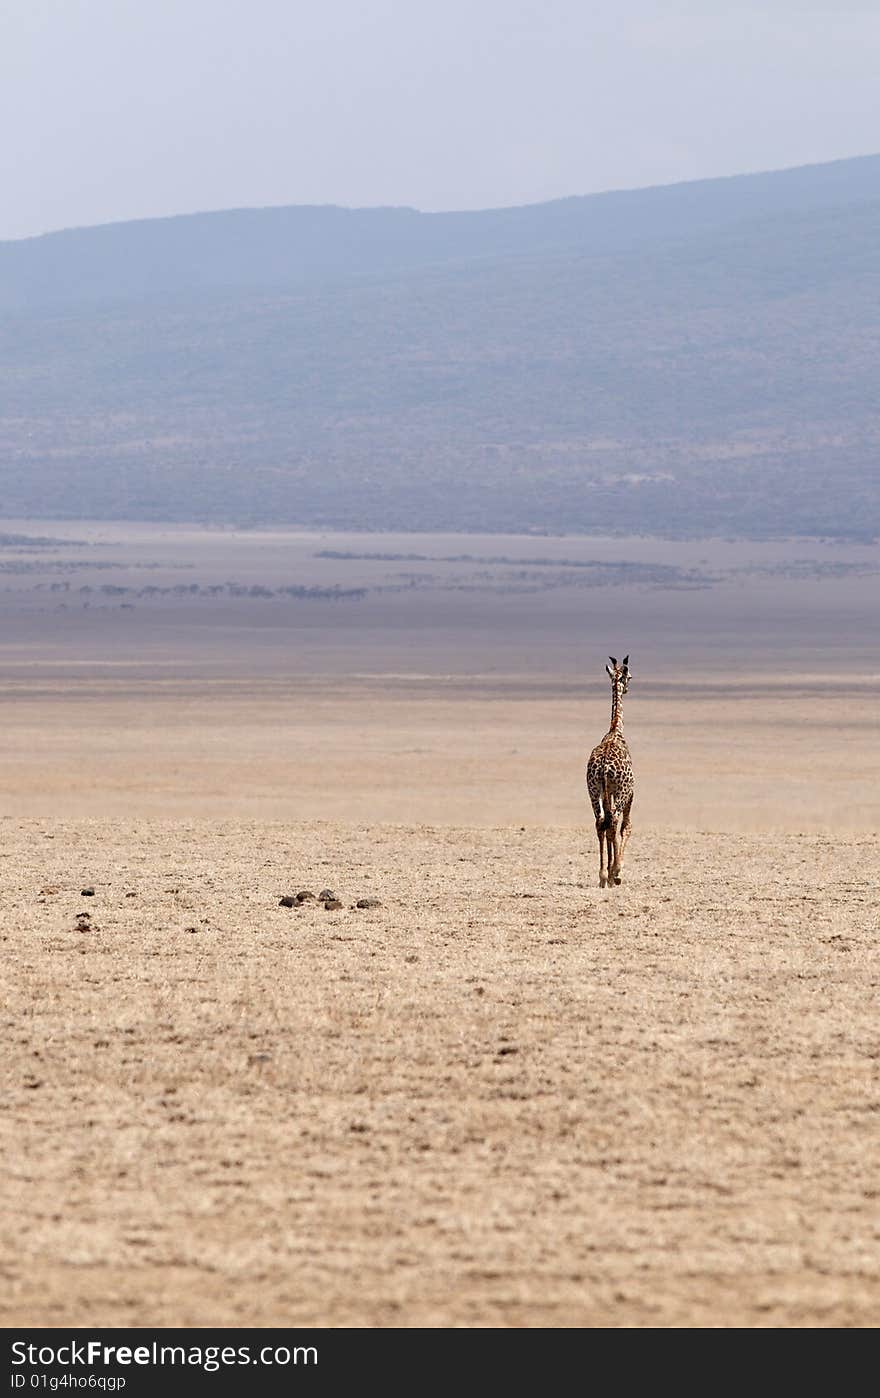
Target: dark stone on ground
x=368, y=903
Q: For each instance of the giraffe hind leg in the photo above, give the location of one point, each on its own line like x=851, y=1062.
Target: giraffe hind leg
x=612, y=825
x=596, y=803
x=614, y=852
x=625, y=832
x=609, y=861
x=600, y=831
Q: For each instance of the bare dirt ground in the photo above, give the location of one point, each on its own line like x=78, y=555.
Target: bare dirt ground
x=800, y=755
x=503, y=1097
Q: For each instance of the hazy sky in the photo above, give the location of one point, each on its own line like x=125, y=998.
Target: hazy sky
x=117, y=109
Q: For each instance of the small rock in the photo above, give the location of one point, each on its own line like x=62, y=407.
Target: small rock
x=288, y=901
x=87, y=893
x=368, y=903
x=331, y=904
x=325, y=894
x=305, y=896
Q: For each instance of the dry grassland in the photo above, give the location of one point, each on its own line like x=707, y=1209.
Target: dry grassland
x=503, y=1097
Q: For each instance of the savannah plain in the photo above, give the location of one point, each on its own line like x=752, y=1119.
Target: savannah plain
x=503, y=1096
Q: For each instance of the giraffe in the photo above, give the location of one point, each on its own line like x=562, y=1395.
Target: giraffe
x=610, y=781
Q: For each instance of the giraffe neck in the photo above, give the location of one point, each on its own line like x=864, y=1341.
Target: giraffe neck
x=616, y=708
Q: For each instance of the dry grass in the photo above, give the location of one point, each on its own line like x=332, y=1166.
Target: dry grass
x=502, y=1098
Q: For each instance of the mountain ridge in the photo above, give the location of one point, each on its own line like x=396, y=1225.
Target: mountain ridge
x=718, y=375
x=293, y=243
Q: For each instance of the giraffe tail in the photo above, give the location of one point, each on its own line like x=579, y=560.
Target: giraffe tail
x=607, y=806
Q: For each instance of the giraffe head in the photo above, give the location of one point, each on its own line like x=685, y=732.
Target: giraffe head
x=619, y=674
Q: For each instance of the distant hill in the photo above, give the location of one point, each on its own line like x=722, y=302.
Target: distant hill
x=687, y=359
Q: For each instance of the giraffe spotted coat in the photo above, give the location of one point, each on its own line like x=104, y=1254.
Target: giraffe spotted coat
x=610, y=783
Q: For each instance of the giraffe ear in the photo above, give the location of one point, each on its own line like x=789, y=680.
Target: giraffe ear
x=609, y=672
x=625, y=661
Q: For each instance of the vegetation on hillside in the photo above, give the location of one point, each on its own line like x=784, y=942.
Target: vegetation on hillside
x=712, y=377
